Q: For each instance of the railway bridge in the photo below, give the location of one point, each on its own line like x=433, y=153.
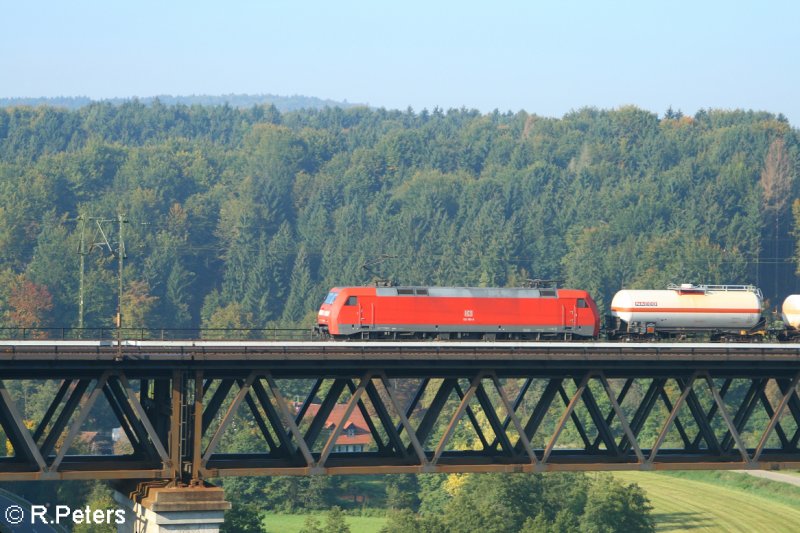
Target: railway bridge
x=192, y=410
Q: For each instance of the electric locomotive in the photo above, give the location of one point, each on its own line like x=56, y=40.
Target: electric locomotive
x=413, y=312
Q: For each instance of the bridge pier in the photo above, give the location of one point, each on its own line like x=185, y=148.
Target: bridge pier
x=159, y=509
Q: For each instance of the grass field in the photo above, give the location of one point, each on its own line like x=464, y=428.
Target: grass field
x=292, y=523
x=700, y=502
x=691, y=501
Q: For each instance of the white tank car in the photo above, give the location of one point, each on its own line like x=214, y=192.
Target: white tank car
x=689, y=307
x=790, y=311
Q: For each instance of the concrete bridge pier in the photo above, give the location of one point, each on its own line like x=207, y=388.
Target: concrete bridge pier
x=161, y=509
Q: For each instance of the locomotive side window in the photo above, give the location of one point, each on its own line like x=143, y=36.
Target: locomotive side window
x=582, y=303
x=405, y=291
x=353, y=300
x=331, y=297
x=422, y=292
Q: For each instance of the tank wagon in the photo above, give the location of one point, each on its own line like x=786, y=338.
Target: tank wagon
x=458, y=313
x=724, y=312
x=790, y=314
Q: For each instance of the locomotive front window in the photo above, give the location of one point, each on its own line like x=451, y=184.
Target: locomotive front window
x=353, y=300
x=331, y=297
x=582, y=303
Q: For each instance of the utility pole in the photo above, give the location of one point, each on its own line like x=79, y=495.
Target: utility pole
x=121, y=220
x=82, y=253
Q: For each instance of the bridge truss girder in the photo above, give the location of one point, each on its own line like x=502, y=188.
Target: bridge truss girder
x=182, y=423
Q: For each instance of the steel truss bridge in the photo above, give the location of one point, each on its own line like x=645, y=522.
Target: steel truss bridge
x=186, y=407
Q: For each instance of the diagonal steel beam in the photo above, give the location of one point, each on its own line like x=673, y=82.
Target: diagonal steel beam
x=517, y=402
x=570, y=409
x=274, y=418
x=145, y=421
x=431, y=416
x=288, y=420
x=603, y=429
x=83, y=413
x=778, y=429
x=610, y=416
x=494, y=422
x=125, y=422
x=670, y=419
x=700, y=418
x=348, y=410
x=678, y=424
x=539, y=411
x=308, y=401
x=626, y=428
x=451, y=427
x=712, y=412
x=413, y=401
x=575, y=418
x=215, y=403
x=471, y=415
x=17, y=432
x=723, y=410
x=405, y=423
x=226, y=420
x=395, y=443
x=512, y=416
x=262, y=425
x=790, y=392
x=646, y=406
x=59, y=397
x=367, y=417
x=138, y=421
x=74, y=398
x=325, y=409
x=744, y=412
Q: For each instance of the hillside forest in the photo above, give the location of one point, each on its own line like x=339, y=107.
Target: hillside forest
x=244, y=218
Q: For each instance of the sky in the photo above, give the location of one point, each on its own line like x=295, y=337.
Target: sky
x=547, y=58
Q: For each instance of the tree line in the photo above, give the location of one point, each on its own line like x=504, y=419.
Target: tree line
x=246, y=217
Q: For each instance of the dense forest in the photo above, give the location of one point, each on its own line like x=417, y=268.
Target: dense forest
x=246, y=217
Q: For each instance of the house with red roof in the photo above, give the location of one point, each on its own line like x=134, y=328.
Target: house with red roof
x=355, y=436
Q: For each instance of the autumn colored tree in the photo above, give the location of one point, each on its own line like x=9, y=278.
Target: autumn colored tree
x=28, y=303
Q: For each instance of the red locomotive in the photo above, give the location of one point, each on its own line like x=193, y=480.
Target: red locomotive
x=458, y=313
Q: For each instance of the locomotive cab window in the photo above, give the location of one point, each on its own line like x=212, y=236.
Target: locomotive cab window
x=331, y=297
x=582, y=303
x=352, y=300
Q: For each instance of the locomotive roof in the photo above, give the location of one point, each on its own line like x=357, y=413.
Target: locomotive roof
x=467, y=292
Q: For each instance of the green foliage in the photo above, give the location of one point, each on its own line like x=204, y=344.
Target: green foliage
x=250, y=216
x=334, y=522
x=401, y=492
x=242, y=518
x=99, y=499
x=613, y=507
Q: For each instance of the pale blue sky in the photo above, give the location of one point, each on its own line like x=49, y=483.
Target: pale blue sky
x=544, y=57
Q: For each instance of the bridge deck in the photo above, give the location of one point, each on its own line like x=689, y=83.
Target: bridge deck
x=208, y=350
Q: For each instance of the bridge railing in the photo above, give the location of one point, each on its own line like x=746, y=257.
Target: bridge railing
x=110, y=333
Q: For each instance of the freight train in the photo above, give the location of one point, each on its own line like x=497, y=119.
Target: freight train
x=686, y=311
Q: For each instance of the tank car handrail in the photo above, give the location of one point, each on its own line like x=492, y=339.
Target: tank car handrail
x=703, y=287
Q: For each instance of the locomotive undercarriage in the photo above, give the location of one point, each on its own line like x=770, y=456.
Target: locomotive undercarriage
x=616, y=330
x=399, y=335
